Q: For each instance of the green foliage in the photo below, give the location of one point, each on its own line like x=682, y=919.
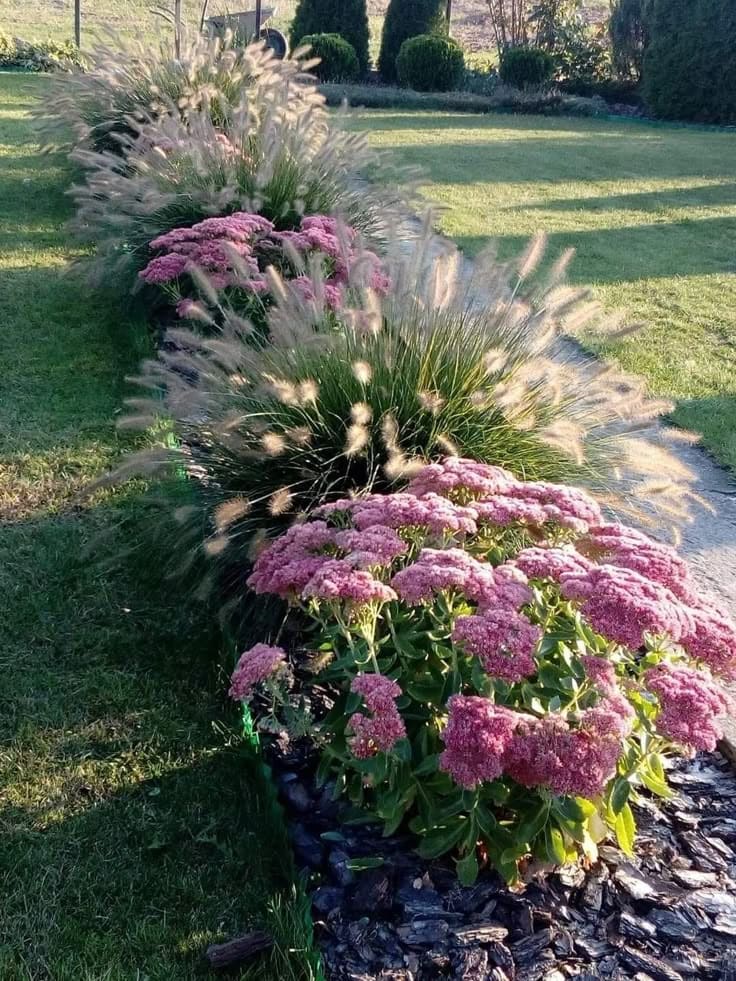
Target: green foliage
x=430, y=63
x=581, y=54
x=629, y=32
x=690, y=63
x=338, y=60
x=525, y=67
x=38, y=56
x=348, y=18
x=406, y=19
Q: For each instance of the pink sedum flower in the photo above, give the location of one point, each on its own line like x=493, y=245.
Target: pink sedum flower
x=336, y=579
x=381, y=731
x=712, y=638
x=437, y=570
x=692, y=706
x=477, y=737
x=615, y=544
x=376, y=546
x=539, y=503
x=456, y=476
x=287, y=564
x=622, y=605
x=503, y=641
x=547, y=752
x=403, y=510
x=255, y=665
x=551, y=563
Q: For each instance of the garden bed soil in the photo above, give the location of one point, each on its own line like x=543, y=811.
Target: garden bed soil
x=668, y=913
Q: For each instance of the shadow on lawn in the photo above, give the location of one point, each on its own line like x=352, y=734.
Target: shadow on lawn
x=700, y=196
x=702, y=246
x=561, y=157
x=136, y=826
x=143, y=878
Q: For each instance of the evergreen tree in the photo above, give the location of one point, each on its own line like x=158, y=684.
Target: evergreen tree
x=348, y=18
x=690, y=63
x=405, y=19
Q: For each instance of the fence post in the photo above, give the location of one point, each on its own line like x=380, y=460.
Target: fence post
x=78, y=22
x=177, y=28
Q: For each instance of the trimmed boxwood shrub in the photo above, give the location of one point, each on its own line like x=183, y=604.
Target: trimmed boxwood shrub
x=429, y=63
x=348, y=18
x=526, y=67
x=405, y=19
x=339, y=60
x=690, y=63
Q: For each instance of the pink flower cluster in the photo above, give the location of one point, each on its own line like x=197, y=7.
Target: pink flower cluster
x=328, y=237
x=236, y=250
x=503, y=641
x=477, y=739
x=551, y=563
x=255, y=665
x=305, y=562
x=375, y=546
x=384, y=728
x=499, y=498
x=618, y=545
x=436, y=570
x=336, y=579
x=692, y=706
x=485, y=741
x=404, y=510
x=211, y=245
x=623, y=605
x=458, y=477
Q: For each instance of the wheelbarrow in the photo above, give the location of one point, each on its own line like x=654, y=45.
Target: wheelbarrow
x=243, y=28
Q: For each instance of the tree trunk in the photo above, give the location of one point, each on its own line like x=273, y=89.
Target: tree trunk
x=203, y=16
x=224, y=957
x=177, y=28
x=258, y=20
x=78, y=22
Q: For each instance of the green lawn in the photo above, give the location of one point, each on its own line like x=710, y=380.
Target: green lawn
x=650, y=209
x=134, y=829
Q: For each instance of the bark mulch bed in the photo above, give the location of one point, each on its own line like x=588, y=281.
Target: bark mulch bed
x=667, y=914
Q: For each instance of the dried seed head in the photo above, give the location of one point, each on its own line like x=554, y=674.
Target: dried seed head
x=431, y=402
x=357, y=439
x=273, y=444
x=362, y=371
x=280, y=501
x=361, y=413
x=230, y=511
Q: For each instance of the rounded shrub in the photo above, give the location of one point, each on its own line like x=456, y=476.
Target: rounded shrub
x=690, y=62
x=348, y=18
x=405, y=19
x=338, y=59
x=526, y=67
x=430, y=63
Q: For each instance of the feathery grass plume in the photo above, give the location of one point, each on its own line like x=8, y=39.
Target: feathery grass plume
x=272, y=151
x=128, y=80
x=245, y=433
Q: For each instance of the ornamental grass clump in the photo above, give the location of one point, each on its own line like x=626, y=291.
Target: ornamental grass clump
x=272, y=150
x=127, y=81
x=334, y=394
x=499, y=668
